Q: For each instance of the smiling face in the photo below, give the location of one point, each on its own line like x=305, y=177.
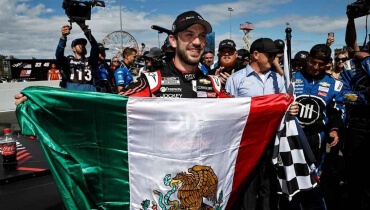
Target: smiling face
x=190, y=44
x=315, y=66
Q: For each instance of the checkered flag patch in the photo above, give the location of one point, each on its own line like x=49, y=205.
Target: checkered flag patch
x=293, y=158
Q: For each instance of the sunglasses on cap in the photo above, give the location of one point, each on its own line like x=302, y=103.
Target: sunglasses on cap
x=341, y=59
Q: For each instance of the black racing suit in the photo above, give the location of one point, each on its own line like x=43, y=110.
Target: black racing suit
x=169, y=82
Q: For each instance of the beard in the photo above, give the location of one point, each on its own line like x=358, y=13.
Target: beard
x=186, y=58
x=228, y=64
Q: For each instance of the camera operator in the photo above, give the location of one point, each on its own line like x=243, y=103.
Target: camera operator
x=356, y=85
x=79, y=72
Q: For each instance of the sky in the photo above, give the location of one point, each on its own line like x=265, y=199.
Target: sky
x=31, y=28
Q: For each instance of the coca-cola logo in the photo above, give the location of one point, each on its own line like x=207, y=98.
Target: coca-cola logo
x=9, y=149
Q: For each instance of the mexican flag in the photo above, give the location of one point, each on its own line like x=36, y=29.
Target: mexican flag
x=107, y=151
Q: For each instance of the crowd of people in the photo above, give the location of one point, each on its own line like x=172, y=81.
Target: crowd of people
x=331, y=102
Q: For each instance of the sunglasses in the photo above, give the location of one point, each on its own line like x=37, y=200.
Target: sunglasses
x=115, y=61
x=341, y=59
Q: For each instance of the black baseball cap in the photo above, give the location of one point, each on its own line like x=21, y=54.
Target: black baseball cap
x=101, y=47
x=301, y=56
x=243, y=54
x=79, y=41
x=187, y=19
x=279, y=44
x=227, y=43
x=264, y=45
x=321, y=52
x=154, y=52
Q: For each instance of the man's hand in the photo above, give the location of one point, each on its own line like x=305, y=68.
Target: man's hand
x=294, y=109
x=65, y=31
x=19, y=98
x=334, y=135
x=223, y=76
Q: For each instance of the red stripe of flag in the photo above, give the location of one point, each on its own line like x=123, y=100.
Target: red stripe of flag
x=262, y=124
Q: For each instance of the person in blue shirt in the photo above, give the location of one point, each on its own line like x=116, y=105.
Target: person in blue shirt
x=105, y=81
x=123, y=75
x=257, y=79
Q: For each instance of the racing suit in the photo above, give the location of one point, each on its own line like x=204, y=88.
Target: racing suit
x=169, y=82
x=123, y=75
x=321, y=109
x=356, y=81
x=79, y=74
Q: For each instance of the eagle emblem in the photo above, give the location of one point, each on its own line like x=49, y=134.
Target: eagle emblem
x=192, y=188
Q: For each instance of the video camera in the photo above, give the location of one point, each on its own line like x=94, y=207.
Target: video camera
x=80, y=10
x=359, y=8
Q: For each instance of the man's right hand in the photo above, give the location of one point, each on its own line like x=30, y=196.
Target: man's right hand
x=66, y=30
x=19, y=98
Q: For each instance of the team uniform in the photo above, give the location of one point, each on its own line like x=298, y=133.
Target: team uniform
x=123, y=75
x=321, y=108
x=356, y=85
x=105, y=79
x=79, y=74
x=169, y=82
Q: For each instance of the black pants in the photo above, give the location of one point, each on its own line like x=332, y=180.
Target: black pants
x=261, y=190
x=357, y=157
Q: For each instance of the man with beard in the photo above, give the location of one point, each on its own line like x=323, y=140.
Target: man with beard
x=227, y=56
x=256, y=80
x=79, y=72
x=181, y=78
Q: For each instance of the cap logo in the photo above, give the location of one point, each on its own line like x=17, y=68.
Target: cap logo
x=190, y=17
x=199, y=17
x=303, y=56
x=183, y=19
x=320, y=55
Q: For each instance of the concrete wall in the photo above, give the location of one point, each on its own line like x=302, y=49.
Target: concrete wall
x=7, y=107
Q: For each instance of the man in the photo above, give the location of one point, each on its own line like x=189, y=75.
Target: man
x=227, y=64
x=207, y=61
x=256, y=80
x=123, y=75
x=79, y=72
x=243, y=58
x=321, y=113
x=300, y=61
x=356, y=85
x=279, y=59
x=153, y=60
x=181, y=78
x=54, y=73
x=105, y=75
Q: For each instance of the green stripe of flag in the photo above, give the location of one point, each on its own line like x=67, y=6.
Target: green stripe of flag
x=85, y=153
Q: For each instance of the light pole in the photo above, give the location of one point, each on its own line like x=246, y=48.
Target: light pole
x=230, y=10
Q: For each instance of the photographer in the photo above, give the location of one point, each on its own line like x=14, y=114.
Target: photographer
x=79, y=72
x=356, y=85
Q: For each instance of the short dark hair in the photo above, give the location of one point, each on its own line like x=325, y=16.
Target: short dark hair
x=128, y=51
x=208, y=51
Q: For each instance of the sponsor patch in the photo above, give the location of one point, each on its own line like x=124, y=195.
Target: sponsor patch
x=325, y=89
x=168, y=95
x=170, y=81
x=211, y=95
x=351, y=97
x=170, y=90
x=338, y=86
x=298, y=81
x=322, y=94
x=325, y=84
x=204, y=88
x=202, y=94
x=205, y=81
x=188, y=77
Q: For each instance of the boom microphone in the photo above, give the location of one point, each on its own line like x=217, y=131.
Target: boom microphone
x=161, y=30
